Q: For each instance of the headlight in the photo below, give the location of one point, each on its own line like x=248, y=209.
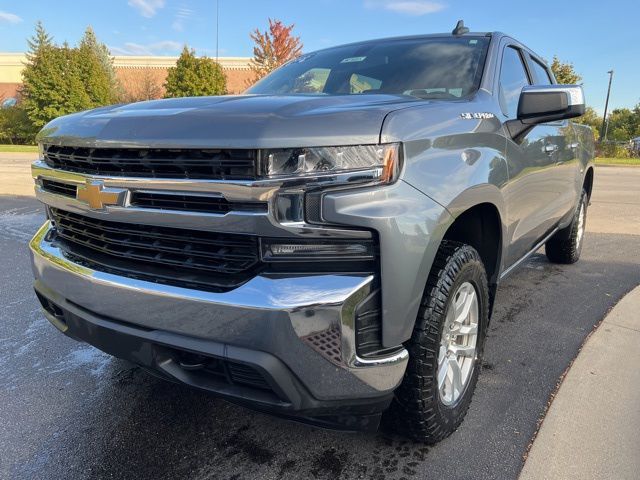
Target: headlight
x=380, y=162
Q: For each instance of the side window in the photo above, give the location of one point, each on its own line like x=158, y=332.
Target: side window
x=312, y=81
x=540, y=73
x=513, y=77
x=361, y=83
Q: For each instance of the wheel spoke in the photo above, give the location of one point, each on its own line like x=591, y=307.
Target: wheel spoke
x=468, y=329
x=459, y=329
x=443, y=369
x=463, y=350
x=456, y=377
x=462, y=313
x=460, y=304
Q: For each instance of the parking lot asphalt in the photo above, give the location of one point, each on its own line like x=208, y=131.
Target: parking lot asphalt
x=70, y=411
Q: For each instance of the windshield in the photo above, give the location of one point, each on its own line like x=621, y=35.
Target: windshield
x=438, y=67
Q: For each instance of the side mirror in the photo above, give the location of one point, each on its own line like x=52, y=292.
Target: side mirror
x=545, y=103
x=548, y=103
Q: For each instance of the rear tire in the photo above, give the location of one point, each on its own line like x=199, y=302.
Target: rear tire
x=444, y=351
x=565, y=246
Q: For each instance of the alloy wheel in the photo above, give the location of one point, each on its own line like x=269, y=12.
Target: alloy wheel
x=458, y=344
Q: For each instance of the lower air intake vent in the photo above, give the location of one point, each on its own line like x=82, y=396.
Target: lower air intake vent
x=369, y=327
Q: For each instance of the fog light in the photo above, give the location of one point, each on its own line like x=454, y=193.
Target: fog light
x=278, y=250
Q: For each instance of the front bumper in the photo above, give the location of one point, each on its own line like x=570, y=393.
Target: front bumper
x=297, y=332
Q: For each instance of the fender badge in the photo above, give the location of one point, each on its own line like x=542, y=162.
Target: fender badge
x=477, y=115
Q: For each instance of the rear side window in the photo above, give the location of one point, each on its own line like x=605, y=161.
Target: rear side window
x=540, y=73
x=513, y=77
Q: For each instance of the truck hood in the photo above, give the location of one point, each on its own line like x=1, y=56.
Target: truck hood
x=243, y=121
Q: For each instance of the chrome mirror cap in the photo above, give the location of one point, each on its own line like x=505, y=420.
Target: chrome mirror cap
x=548, y=103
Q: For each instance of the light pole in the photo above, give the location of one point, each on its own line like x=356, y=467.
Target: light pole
x=603, y=131
x=217, y=26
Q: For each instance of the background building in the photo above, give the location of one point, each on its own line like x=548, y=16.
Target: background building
x=140, y=77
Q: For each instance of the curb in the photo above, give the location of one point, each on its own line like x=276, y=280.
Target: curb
x=592, y=424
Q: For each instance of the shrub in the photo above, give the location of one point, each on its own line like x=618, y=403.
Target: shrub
x=194, y=77
x=613, y=150
x=15, y=126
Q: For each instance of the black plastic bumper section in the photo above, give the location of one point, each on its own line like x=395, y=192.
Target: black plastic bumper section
x=251, y=378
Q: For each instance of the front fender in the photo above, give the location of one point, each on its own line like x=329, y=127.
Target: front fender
x=410, y=227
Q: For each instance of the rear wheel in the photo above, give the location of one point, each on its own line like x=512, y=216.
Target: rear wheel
x=565, y=246
x=445, y=348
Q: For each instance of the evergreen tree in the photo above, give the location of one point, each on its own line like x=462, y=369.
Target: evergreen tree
x=193, y=77
x=51, y=82
x=96, y=70
x=40, y=40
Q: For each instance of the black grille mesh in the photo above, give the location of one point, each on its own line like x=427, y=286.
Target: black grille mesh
x=60, y=188
x=215, y=164
x=188, y=256
x=192, y=203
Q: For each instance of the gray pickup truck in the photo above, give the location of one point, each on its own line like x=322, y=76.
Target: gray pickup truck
x=327, y=246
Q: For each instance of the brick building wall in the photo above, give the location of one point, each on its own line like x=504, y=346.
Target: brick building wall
x=140, y=77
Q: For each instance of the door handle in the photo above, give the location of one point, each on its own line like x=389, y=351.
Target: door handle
x=574, y=145
x=550, y=148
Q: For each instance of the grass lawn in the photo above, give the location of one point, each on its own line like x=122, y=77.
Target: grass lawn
x=618, y=161
x=19, y=148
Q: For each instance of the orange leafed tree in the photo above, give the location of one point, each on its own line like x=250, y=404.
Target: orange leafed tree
x=273, y=48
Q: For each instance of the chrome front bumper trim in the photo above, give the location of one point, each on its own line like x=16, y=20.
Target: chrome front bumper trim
x=281, y=316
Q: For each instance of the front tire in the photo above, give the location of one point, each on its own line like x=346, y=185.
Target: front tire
x=445, y=349
x=565, y=246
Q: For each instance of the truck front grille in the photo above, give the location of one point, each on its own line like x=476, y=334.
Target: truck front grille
x=187, y=258
x=189, y=163
x=193, y=203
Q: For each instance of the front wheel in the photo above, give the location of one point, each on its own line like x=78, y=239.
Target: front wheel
x=445, y=349
x=565, y=245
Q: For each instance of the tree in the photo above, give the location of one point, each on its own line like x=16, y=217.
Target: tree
x=193, y=77
x=52, y=84
x=592, y=119
x=40, y=40
x=61, y=80
x=98, y=70
x=273, y=48
x=145, y=86
x=624, y=124
x=564, y=72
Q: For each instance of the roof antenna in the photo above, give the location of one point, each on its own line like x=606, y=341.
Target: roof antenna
x=460, y=28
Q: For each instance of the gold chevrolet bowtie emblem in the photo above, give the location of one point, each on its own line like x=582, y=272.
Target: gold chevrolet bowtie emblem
x=96, y=195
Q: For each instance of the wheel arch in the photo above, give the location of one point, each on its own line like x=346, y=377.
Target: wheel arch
x=480, y=226
x=478, y=219
x=485, y=204
x=587, y=183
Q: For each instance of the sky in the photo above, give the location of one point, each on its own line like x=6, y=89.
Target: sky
x=596, y=36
